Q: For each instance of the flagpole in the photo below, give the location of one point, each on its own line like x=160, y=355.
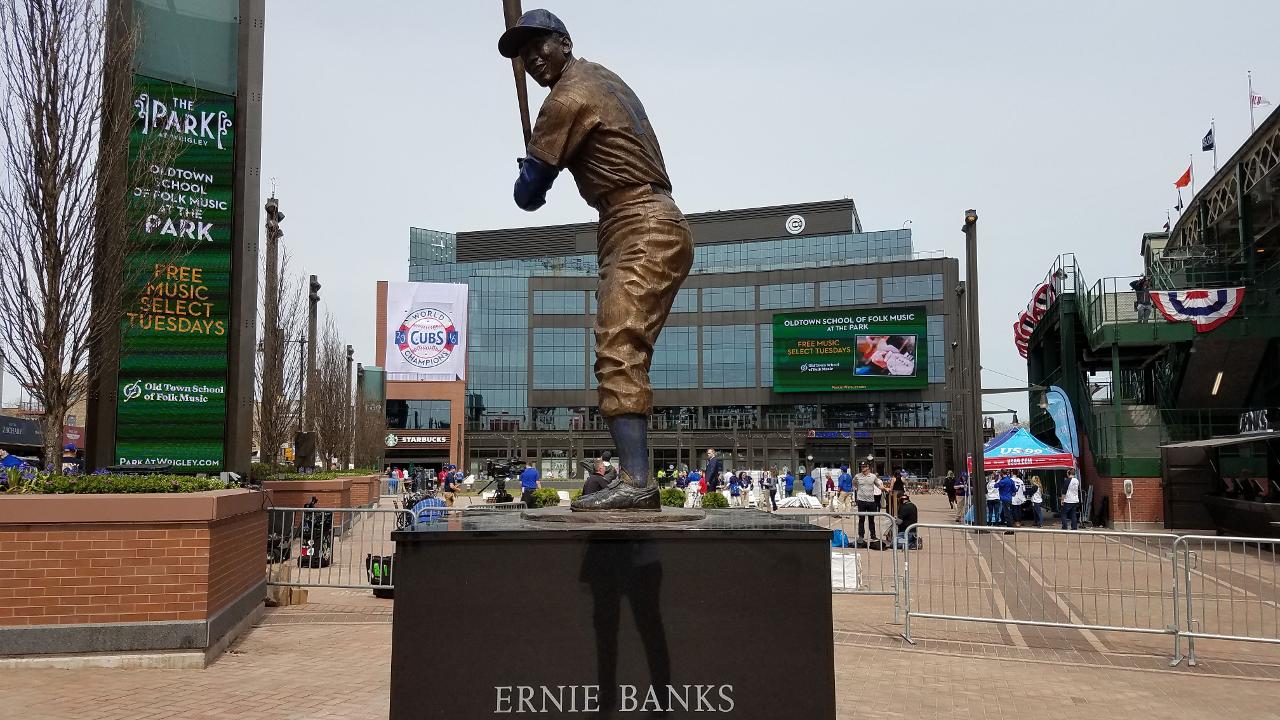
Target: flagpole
x=1192, y=156
x=1213, y=130
x=1251, y=125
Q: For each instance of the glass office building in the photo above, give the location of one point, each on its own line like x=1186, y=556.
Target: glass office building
x=531, y=392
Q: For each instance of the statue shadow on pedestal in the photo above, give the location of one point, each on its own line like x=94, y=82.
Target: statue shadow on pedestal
x=614, y=569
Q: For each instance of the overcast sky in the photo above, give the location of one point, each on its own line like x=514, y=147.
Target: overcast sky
x=1063, y=124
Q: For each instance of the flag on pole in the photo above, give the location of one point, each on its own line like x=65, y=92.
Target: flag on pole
x=1178, y=207
x=1185, y=180
x=1256, y=100
x=1206, y=143
x=1166, y=226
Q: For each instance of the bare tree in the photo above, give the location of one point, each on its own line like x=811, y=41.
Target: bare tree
x=331, y=403
x=65, y=213
x=279, y=380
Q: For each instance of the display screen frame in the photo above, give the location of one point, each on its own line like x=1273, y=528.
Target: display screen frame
x=851, y=350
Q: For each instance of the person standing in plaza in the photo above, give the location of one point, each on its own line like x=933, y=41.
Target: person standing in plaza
x=1019, y=498
x=788, y=482
x=529, y=481
x=769, y=487
x=1005, y=488
x=1070, y=502
x=714, y=466
x=993, y=500
x=450, y=488
x=807, y=483
x=693, y=489
x=1037, y=500
x=829, y=489
x=949, y=487
x=865, y=484
x=735, y=491
x=844, y=488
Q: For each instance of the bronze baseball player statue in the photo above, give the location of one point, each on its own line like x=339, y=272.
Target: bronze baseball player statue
x=594, y=126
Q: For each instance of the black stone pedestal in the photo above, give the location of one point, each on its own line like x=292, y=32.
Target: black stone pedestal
x=501, y=616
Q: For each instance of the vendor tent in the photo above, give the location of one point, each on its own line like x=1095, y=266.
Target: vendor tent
x=1017, y=448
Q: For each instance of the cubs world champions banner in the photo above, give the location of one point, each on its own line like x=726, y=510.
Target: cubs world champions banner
x=426, y=331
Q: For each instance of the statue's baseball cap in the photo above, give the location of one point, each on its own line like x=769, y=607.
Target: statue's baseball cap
x=530, y=24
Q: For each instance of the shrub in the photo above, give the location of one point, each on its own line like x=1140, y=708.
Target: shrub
x=575, y=494
x=673, y=497
x=546, y=497
x=715, y=500
x=97, y=484
x=266, y=471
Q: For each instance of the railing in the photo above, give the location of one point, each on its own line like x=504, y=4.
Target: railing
x=1096, y=580
x=856, y=567
x=333, y=547
x=1232, y=589
x=1183, y=586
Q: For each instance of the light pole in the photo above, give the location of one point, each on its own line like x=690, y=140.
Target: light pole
x=313, y=303
x=350, y=412
x=974, y=404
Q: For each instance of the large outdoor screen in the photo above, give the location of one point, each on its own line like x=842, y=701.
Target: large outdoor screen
x=171, y=402
x=877, y=349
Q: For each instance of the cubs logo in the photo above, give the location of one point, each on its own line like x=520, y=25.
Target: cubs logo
x=426, y=338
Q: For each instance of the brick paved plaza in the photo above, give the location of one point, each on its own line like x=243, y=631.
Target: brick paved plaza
x=330, y=658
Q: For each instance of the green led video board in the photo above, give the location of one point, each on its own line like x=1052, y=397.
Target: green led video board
x=172, y=386
x=869, y=349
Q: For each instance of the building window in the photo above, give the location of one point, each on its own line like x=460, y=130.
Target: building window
x=418, y=414
x=862, y=415
x=727, y=417
x=723, y=299
x=849, y=292
x=558, y=355
x=916, y=415
x=559, y=302
x=937, y=349
x=729, y=356
x=675, y=359
x=909, y=288
x=795, y=295
x=686, y=301
x=766, y=355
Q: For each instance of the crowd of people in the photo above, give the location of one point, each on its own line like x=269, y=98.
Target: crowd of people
x=1012, y=499
x=448, y=481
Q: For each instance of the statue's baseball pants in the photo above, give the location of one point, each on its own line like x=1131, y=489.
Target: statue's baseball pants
x=645, y=251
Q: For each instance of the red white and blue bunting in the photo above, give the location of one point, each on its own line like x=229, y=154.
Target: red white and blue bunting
x=1206, y=309
x=1041, y=300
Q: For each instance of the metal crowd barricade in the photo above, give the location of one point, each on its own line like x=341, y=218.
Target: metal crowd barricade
x=861, y=570
x=1232, y=589
x=1094, y=580
x=333, y=547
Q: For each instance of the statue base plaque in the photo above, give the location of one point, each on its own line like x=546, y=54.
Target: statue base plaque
x=517, y=614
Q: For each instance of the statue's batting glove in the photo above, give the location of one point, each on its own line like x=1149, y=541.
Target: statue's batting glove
x=535, y=179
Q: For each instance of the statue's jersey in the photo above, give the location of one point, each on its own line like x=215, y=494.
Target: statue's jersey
x=594, y=126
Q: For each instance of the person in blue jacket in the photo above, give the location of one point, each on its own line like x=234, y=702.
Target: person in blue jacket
x=789, y=481
x=808, y=483
x=1006, y=487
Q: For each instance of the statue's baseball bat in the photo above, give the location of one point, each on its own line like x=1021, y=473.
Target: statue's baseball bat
x=511, y=8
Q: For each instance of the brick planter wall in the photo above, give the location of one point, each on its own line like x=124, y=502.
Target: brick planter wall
x=296, y=493
x=1147, y=503
x=365, y=490
x=112, y=573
